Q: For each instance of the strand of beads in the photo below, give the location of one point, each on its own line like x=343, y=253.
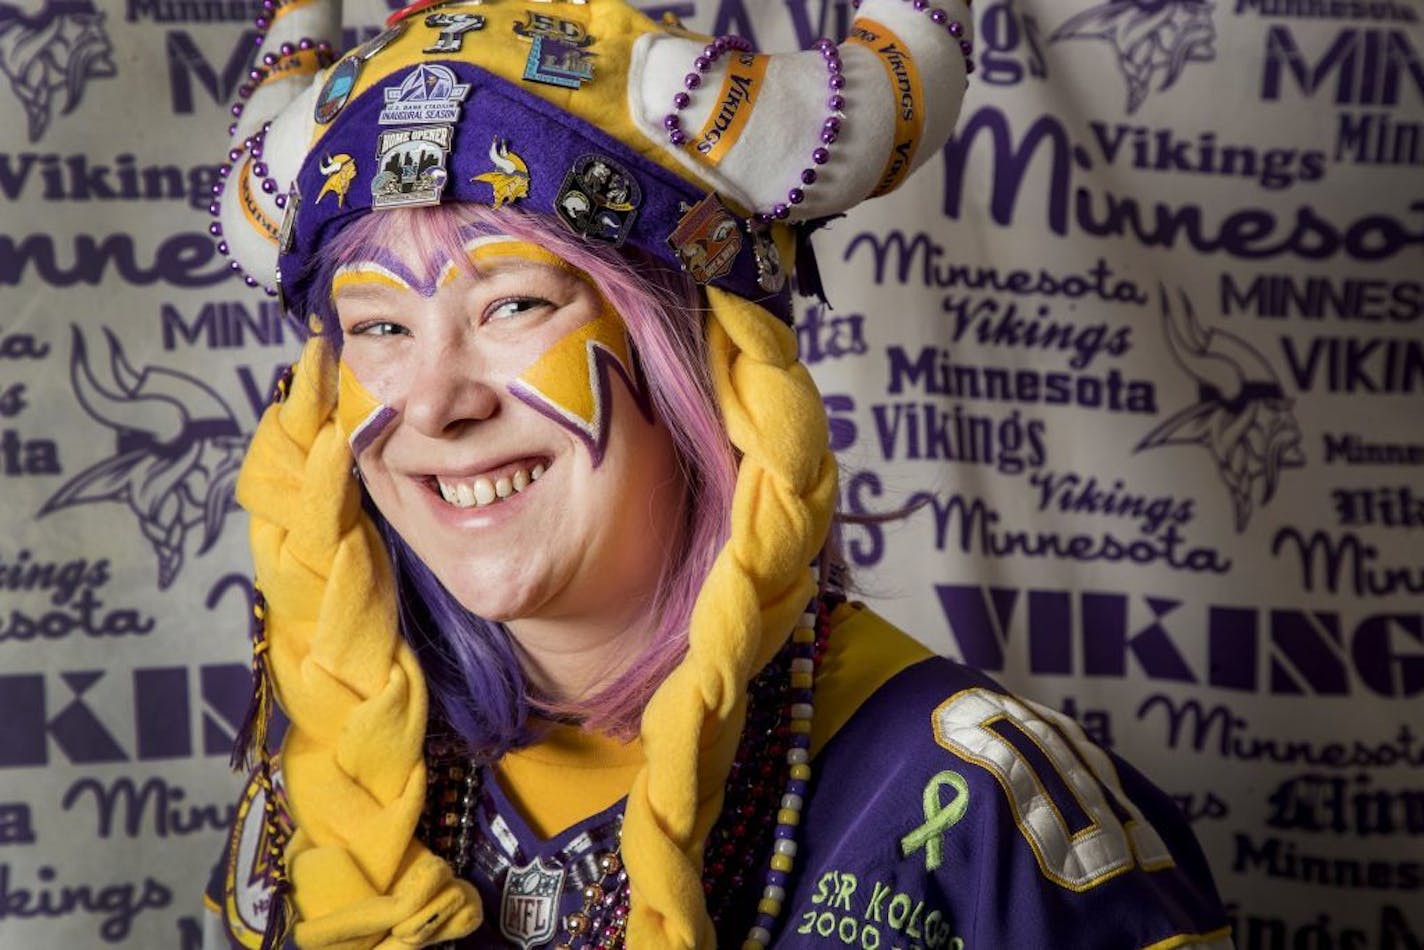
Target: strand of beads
x=939, y=17
x=252, y=147
x=808, y=643
x=602, y=922
x=447, y=822
x=830, y=127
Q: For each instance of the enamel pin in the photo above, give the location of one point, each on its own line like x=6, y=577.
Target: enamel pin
x=558, y=54
x=452, y=27
x=337, y=89
x=599, y=200
x=510, y=177
x=771, y=276
x=430, y=93
x=412, y=167
x=707, y=240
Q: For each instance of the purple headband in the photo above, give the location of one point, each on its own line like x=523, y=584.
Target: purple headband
x=594, y=184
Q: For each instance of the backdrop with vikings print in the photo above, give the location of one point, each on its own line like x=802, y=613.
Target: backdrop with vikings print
x=1142, y=347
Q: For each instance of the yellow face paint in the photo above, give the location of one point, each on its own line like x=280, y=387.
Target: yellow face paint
x=359, y=415
x=571, y=382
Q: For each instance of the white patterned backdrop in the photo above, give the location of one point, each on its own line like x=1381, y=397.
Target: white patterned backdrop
x=1144, y=344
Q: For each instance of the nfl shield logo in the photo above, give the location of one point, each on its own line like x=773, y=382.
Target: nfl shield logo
x=529, y=914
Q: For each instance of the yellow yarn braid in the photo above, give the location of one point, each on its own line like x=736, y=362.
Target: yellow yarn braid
x=350, y=685
x=758, y=586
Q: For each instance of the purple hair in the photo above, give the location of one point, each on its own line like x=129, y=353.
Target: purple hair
x=477, y=687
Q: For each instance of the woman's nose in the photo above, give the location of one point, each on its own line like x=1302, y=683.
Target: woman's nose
x=450, y=390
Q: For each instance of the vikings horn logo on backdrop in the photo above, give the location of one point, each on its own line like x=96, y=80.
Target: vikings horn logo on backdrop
x=1242, y=415
x=54, y=52
x=177, y=455
x=1152, y=38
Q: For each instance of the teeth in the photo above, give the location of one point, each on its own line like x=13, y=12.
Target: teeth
x=479, y=492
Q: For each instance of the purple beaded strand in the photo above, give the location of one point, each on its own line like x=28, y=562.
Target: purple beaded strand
x=252, y=145
x=830, y=128
x=954, y=28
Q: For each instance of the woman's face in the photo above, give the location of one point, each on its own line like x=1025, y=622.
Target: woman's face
x=515, y=456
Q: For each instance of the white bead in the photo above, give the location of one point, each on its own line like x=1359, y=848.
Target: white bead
x=803, y=665
x=800, y=710
x=798, y=756
x=786, y=846
x=761, y=935
x=775, y=893
x=790, y=801
x=808, y=620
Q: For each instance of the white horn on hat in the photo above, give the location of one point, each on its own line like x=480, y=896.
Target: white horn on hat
x=279, y=113
x=785, y=124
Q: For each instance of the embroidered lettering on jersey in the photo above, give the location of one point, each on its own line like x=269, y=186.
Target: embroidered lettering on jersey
x=735, y=101
x=905, y=84
x=861, y=912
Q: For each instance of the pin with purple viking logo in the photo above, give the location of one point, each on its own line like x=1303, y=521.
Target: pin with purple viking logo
x=1242, y=415
x=176, y=459
x=1154, y=40
x=53, y=55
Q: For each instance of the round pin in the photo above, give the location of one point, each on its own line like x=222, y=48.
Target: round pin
x=337, y=89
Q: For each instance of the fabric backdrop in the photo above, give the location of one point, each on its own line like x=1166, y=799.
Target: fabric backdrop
x=1143, y=345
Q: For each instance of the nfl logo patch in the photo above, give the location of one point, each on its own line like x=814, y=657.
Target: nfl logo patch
x=529, y=913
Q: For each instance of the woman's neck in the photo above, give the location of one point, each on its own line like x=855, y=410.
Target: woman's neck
x=570, y=659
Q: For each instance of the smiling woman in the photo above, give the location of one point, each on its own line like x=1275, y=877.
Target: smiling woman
x=529, y=371
x=542, y=522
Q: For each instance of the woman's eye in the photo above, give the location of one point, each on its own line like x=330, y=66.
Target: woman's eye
x=515, y=306
x=377, y=328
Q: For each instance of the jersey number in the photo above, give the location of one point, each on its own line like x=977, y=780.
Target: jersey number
x=1064, y=791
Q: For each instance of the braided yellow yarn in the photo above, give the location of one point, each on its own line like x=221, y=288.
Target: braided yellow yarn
x=350, y=685
x=758, y=586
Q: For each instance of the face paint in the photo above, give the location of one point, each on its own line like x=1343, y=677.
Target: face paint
x=570, y=382
x=359, y=415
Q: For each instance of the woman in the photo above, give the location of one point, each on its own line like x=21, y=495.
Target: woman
x=540, y=521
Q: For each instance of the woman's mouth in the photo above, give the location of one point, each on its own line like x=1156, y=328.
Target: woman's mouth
x=484, y=490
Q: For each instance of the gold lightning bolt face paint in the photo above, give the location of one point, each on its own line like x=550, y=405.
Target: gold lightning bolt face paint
x=570, y=382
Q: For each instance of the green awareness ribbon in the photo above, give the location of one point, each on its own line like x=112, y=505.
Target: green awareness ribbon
x=938, y=818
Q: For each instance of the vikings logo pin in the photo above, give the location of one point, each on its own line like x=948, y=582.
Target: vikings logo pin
x=558, y=54
x=599, y=200
x=707, y=240
x=529, y=911
x=452, y=27
x=340, y=172
x=412, y=167
x=431, y=93
x=510, y=177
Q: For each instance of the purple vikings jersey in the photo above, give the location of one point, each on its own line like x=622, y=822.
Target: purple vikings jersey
x=944, y=814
